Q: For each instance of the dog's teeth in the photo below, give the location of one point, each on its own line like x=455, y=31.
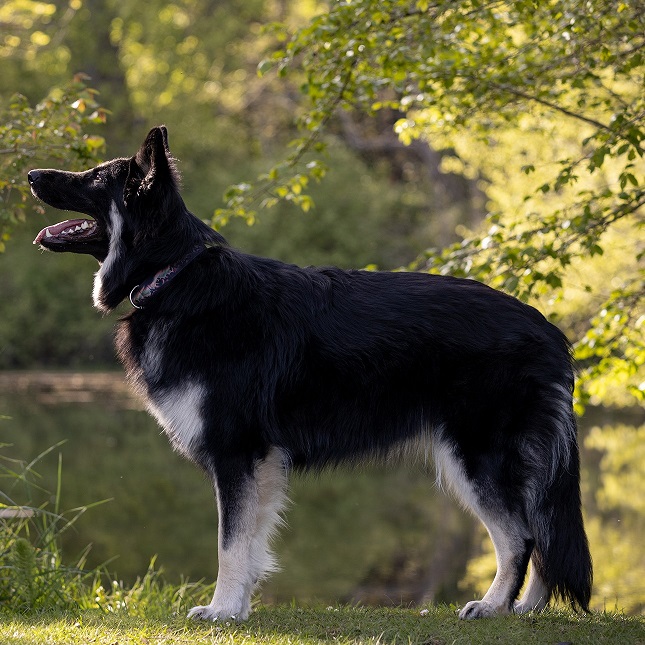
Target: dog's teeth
x=47, y=233
x=85, y=225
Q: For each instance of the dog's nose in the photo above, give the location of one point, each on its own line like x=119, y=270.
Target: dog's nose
x=32, y=176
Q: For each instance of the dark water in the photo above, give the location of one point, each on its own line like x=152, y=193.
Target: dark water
x=382, y=536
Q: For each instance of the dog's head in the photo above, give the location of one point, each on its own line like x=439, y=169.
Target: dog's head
x=138, y=224
x=127, y=184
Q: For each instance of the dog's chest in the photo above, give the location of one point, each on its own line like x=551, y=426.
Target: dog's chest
x=177, y=404
x=179, y=411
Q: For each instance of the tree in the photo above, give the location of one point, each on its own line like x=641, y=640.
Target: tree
x=471, y=77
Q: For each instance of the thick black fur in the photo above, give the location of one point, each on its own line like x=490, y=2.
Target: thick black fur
x=333, y=366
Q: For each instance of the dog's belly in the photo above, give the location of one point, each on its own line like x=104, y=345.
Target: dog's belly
x=179, y=411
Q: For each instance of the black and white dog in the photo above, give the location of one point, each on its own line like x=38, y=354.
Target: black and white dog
x=255, y=368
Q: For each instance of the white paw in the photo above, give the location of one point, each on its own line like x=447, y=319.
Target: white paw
x=478, y=609
x=211, y=612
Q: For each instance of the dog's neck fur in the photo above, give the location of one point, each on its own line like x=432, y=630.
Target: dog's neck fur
x=118, y=278
x=149, y=287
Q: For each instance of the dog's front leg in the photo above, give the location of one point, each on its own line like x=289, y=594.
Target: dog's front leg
x=250, y=497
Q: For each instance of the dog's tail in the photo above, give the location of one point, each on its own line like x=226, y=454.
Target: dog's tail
x=561, y=554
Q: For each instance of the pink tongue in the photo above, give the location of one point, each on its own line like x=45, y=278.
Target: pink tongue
x=56, y=229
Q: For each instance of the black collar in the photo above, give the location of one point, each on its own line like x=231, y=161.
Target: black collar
x=143, y=291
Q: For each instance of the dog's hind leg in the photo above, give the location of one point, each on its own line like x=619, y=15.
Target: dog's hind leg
x=508, y=531
x=513, y=549
x=536, y=594
x=250, y=501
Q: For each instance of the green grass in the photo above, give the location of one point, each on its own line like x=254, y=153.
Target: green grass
x=341, y=625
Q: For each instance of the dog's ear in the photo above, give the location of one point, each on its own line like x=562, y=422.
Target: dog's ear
x=132, y=184
x=154, y=155
x=164, y=135
x=152, y=166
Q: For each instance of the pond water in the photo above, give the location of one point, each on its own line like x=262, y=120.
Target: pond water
x=383, y=536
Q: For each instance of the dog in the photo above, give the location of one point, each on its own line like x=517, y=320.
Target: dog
x=255, y=369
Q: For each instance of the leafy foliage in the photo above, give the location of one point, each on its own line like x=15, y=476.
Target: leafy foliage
x=490, y=70
x=538, y=103
x=53, y=130
x=29, y=26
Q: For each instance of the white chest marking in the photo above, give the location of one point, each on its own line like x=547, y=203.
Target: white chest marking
x=179, y=412
x=115, y=227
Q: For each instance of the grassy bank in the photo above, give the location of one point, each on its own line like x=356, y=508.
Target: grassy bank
x=43, y=599
x=289, y=625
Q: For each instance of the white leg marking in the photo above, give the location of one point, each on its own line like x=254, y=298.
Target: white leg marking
x=271, y=475
x=450, y=473
x=496, y=600
x=247, y=559
x=535, y=596
x=115, y=251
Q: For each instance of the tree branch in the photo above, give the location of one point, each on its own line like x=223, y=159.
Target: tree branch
x=553, y=106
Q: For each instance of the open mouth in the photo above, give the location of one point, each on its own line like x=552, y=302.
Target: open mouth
x=74, y=235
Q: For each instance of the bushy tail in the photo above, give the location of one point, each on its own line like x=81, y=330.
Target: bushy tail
x=561, y=555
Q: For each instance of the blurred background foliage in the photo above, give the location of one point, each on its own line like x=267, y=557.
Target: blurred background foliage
x=502, y=141
x=191, y=65
x=499, y=141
